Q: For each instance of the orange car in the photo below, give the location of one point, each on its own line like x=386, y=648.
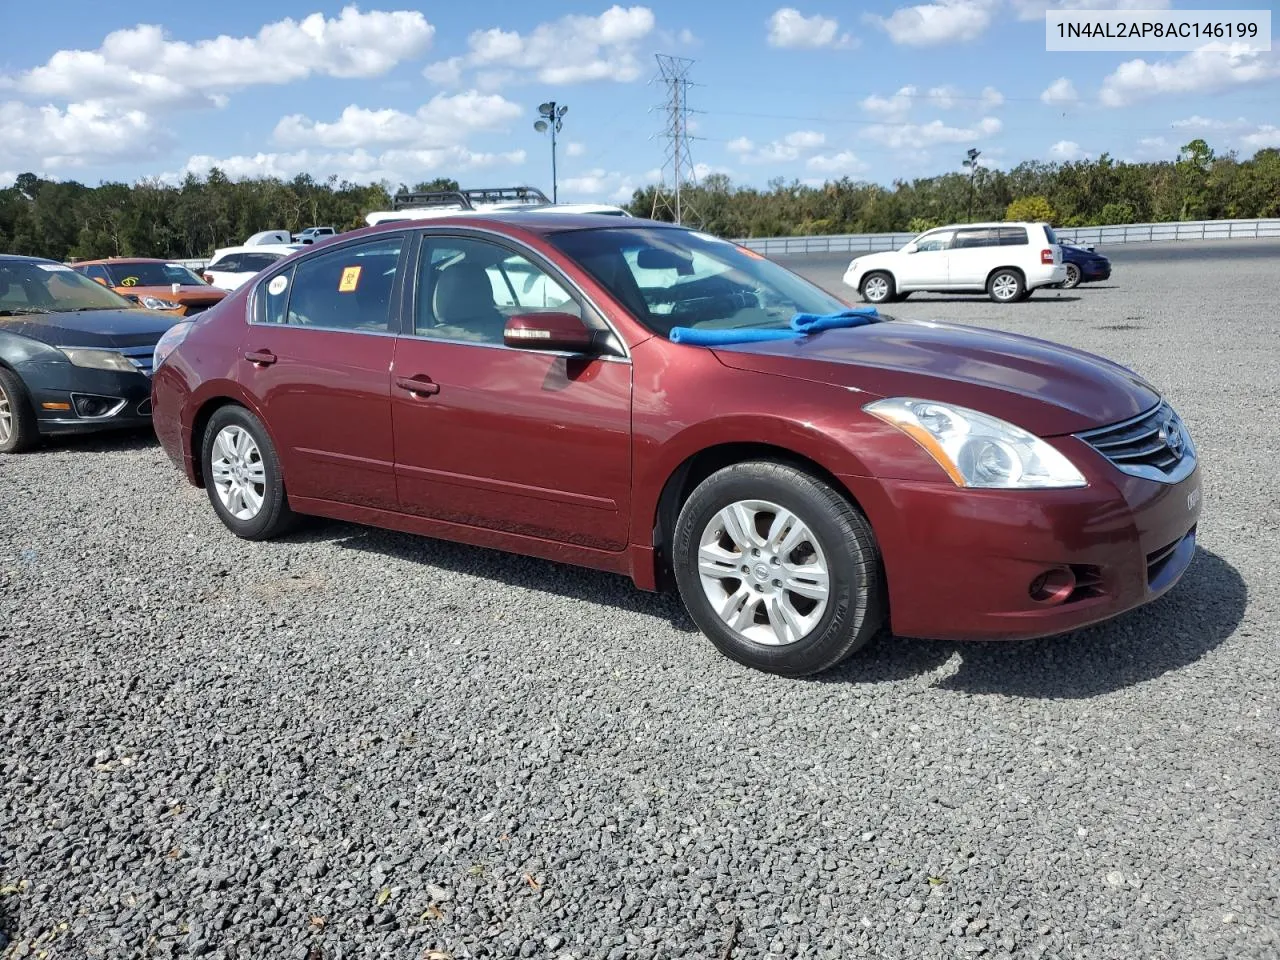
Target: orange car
x=155, y=284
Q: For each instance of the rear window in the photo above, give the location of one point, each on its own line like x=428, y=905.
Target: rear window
x=257, y=261
x=1049, y=234
x=1013, y=236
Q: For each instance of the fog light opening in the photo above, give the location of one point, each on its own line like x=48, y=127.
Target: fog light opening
x=90, y=407
x=1054, y=586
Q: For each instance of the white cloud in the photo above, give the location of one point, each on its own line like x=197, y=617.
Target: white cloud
x=397, y=165
x=1207, y=70
x=947, y=97
x=1035, y=9
x=790, y=28
x=1262, y=138
x=601, y=184
x=48, y=138
x=572, y=149
x=141, y=67
x=573, y=49
x=931, y=24
x=446, y=73
x=443, y=121
x=1198, y=122
x=785, y=150
x=1066, y=150
x=1061, y=90
x=916, y=136
x=844, y=162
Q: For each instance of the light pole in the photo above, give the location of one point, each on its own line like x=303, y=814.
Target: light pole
x=551, y=120
x=972, y=164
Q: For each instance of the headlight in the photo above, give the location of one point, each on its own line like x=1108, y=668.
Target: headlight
x=165, y=346
x=155, y=303
x=977, y=450
x=100, y=359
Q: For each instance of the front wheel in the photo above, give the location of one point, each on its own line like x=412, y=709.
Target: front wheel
x=877, y=288
x=242, y=475
x=778, y=569
x=18, y=430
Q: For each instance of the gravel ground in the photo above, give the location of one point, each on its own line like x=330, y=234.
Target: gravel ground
x=354, y=743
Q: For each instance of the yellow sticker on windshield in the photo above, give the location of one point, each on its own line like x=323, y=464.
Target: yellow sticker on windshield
x=350, y=279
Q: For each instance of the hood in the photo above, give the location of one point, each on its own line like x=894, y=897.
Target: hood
x=187, y=293
x=93, y=328
x=879, y=257
x=1046, y=388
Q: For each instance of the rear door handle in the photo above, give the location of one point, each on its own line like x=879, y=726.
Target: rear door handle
x=421, y=385
x=262, y=357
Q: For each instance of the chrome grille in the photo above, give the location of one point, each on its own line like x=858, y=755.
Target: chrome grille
x=1154, y=445
x=142, y=357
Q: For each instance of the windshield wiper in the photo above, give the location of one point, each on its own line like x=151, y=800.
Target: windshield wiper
x=24, y=311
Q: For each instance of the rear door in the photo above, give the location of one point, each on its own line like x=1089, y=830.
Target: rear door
x=524, y=441
x=317, y=357
x=974, y=254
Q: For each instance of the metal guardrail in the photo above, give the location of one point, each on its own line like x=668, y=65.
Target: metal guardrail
x=1119, y=233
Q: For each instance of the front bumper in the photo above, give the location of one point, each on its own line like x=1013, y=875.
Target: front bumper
x=98, y=399
x=962, y=564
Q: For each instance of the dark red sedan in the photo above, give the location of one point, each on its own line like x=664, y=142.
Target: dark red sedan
x=653, y=401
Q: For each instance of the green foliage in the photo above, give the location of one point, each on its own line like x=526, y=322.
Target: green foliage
x=149, y=218
x=1030, y=210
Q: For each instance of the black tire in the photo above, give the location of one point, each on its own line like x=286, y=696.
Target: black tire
x=275, y=517
x=1000, y=280
x=23, y=433
x=874, y=295
x=1073, y=278
x=855, y=607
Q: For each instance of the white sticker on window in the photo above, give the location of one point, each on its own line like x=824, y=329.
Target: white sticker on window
x=54, y=267
x=277, y=285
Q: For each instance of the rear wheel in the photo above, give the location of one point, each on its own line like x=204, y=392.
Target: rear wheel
x=1006, y=286
x=877, y=287
x=778, y=569
x=18, y=430
x=242, y=476
x=1073, y=277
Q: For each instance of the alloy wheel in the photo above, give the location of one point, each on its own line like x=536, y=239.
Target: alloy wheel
x=6, y=417
x=1005, y=287
x=1073, y=276
x=876, y=289
x=764, y=572
x=239, y=476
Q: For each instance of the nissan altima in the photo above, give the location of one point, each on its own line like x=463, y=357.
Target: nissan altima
x=653, y=401
x=74, y=356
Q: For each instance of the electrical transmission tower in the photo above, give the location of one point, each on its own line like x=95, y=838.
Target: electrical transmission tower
x=677, y=167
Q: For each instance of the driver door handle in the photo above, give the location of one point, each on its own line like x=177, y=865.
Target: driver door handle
x=260, y=357
x=421, y=385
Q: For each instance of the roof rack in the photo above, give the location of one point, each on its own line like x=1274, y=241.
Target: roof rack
x=466, y=199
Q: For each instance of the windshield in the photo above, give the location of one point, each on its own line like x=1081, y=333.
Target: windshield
x=33, y=286
x=151, y=275
x=671, y=277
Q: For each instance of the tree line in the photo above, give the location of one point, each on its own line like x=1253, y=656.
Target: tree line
x=69, y=220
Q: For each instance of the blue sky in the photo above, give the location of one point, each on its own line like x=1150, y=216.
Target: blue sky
x=389, y=90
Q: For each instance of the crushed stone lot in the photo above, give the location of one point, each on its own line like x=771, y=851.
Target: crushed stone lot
x=354, y=743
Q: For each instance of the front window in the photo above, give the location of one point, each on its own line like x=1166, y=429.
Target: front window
x=670, y=277
x=933, y=242
x=33, y=286
x=151, y=275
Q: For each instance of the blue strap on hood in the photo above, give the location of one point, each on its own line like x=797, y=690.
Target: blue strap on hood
x=802, y=324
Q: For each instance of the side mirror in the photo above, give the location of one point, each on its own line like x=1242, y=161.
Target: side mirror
x=548, y=331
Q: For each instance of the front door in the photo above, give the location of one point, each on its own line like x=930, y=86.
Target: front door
x=926, y=268
x=520, y=440
x=317, y=356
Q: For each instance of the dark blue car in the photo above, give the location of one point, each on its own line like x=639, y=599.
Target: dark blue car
x=1084, y=265
x=74, y=356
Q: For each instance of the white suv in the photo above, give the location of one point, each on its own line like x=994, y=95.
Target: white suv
x=1006, y=261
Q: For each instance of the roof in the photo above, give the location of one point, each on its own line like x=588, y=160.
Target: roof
x=120, y=260
x=532, y=221
x=25, y=259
